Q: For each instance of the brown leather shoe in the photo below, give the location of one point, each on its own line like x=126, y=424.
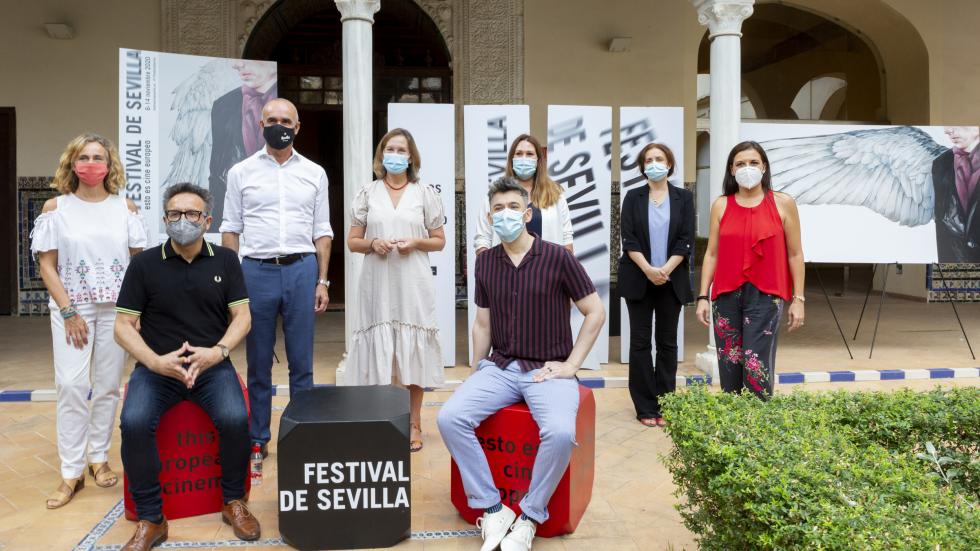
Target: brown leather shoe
x=242, y=522
x=147, y=535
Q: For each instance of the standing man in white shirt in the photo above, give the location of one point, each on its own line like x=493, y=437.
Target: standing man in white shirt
x=276, y=214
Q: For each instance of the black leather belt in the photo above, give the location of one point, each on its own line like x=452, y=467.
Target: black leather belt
x=283, y=260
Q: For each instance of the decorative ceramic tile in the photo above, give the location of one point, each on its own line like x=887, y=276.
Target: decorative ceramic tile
x=32, y=192
x=956, y=282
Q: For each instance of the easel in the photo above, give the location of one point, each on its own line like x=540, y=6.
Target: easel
x=832, y=312
x=881, y=302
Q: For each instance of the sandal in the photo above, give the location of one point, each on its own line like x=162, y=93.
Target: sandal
x=65, y=493
x=649, y=422
x=103, y=475
x=415, y=445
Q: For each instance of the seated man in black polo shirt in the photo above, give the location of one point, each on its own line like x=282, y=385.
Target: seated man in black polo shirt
x=183, y=307
x=522, y=350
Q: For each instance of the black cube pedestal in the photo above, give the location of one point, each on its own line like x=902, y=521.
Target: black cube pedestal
x=344, y=468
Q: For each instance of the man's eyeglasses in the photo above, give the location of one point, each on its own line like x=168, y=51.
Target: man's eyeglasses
x=193, y=216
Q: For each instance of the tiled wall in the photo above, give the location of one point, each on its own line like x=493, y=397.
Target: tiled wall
x=961, y=283
x=32, y=192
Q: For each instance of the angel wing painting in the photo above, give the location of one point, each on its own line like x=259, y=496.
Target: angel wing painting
x=901, y=173
x=217, y=111
x=190, y=104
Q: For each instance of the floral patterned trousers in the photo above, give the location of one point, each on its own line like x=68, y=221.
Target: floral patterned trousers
x=746, y=325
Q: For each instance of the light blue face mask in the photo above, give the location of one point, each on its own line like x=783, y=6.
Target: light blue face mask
x=524, y=168
x=394, y=163
x=509, y=224
x=656, y=171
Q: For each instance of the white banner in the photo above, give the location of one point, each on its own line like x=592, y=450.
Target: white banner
x=181, y=120
x=869, y=193
x=488, y=131
x=639, y=126
x=434, y=128
x=578, y=145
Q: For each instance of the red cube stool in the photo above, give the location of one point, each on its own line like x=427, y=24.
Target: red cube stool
x=190, y=476
x=510, y=438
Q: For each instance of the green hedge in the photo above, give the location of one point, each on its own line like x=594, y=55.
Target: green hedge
x=844, y=470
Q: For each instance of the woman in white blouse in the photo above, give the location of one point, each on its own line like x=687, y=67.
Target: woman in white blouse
x=83, y=241
x=550, y=219
x=396, y=221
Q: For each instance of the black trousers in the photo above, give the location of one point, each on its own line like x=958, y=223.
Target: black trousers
x=219, y=393
x=746, y=324
x=649, y=381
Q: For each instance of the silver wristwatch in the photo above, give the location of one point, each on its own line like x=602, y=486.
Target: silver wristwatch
x=324, y=282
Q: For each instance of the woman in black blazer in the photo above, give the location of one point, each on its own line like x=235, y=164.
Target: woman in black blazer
x=657, y=225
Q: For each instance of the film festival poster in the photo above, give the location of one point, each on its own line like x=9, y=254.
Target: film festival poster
x=186, y=118
x=488, y=131
x=433, y=126
x=639, y=126
x=907, y=192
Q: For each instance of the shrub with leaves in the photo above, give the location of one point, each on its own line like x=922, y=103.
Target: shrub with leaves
x=843, y=470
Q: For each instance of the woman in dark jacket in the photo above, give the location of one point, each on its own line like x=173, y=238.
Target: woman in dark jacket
x=657, y=226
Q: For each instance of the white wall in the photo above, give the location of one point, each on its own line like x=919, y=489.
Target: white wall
x=61, y=88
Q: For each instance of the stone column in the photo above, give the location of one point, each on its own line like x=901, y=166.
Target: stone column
x=357, y=17
x=724, y=21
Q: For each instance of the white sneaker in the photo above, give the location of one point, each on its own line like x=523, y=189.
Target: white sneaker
x=520, y=537
x=493, y=527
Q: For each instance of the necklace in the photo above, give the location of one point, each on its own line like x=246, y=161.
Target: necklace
x=657, y=202
x=393, y=188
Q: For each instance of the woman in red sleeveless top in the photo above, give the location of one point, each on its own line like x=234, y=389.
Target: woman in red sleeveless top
x=753, y=267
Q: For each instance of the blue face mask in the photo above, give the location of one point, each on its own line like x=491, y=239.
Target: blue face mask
x=656, y=171
x=394, y=163
x=524, y=168
x=509, y=224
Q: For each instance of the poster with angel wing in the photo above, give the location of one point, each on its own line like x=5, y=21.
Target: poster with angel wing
x=877, y=194
x=186, y=118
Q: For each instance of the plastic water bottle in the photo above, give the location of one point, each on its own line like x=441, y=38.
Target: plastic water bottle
x=256, y=461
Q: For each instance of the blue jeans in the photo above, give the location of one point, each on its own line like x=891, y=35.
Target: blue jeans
x=554, y=406
x=218, y=392
x=274, y=289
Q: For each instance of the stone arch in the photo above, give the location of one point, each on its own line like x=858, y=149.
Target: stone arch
x=897, y=45
x=786, y=44
x=250, y=12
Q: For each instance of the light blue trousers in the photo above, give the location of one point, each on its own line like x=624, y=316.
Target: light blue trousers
x=553, y=404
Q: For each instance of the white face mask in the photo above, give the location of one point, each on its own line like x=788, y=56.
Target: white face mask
x=748, y=176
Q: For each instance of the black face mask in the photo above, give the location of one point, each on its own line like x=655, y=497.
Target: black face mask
x=278, y=136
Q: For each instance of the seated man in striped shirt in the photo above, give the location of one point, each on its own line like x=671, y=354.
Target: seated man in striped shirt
x=522, y=350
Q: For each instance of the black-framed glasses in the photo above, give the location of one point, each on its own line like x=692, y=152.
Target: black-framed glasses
x=194, y=216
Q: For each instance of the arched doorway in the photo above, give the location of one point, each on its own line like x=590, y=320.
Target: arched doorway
x=799, y=65
x=411, y=65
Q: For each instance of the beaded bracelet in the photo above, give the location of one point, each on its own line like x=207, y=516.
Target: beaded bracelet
x=68, y=312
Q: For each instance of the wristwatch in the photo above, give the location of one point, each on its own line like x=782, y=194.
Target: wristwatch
x=324, y=282
x=799, y=298
x=224, y=350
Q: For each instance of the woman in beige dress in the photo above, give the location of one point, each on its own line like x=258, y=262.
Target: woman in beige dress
x=396, y=221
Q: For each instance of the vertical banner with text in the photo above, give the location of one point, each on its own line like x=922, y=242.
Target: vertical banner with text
x=185, y=118
x=488, y=131
x=639, y=126
x=434, y=128
x=138, y=131
x=578, y=144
